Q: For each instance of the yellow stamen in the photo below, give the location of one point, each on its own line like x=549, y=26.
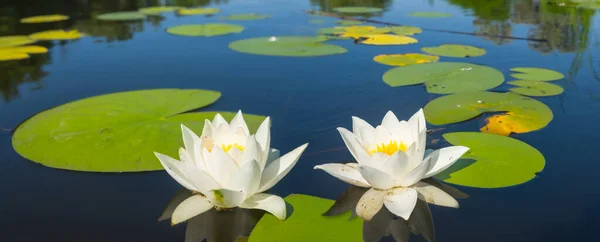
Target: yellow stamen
x=228, y=147
x=389, y=149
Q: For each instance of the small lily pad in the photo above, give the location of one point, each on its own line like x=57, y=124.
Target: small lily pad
x=57, y=35
x=536, y=74
x=522, y=114
x=430, y=14
x=357, y=10
x=298, y=46
x=206, y=30
x=454, y=50
x=121, y=16
x=387, y=39
x=44, y=19
x=445, y=77
x=246, y=16
x=493, y=161
x=20, y=52
x=15, y=40
x=158, y=10
x=306, y=223
x=198, y=11
x=535, y=88
x=349, y=22
x=405, y=59
x=406, y=30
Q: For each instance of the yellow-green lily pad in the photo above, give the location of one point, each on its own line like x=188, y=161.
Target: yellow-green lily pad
x=198, y=11
x=158, y=9
x=535, y=88
x=349, y=22
x=246, y=16
x=15, y=40
x=121, y=16
x=450, y=50
x=430, y=14
x=58, y=34
x=357, y=9
x=44, y=19
x=445, y=77
x=536, y=74
x=493, y=161
x=406, y=30
x=387, y=39
x=206, y=30
x=20, y=52
x=521, y=114
x=116, y=132
x=405, y=59
x=296, y=46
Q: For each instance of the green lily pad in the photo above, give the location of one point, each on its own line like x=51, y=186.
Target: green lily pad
x=454, y=51
x=430, y=14
x=357, y=10
x=493, y=161
x=116, y=132
x=406, y=30
x=206, y=30
x=198, y=11
x=523, y=114
x=445, y=77
x=121, y=16
x=15, y=40
x=405, y=59
x=246, y=16
x=306, y=223
x=158, y=9
x=535, y=88
x=287, y=46
x=349, y=22
x=536, y=74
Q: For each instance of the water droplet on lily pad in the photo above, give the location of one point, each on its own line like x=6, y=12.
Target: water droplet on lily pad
x=493, y=161
x=121, y=16
x=206, y=30
x=158, y=10
x=287, y=46
x=58, y=34
x=15, y=40
x=430, y=14
x=387, y=39
x=20, y=52
x=535, y=88
x=405, y=59
x=44, y=19
x=406, y=30
x=451, y=50
x=536, y=74
x=445, y=77
x=357, y=10
x=198, y=11
x=246, y=16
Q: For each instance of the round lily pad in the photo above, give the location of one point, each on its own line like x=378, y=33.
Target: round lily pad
x=298, y=46
x=20, y=52
x=121, y=16
x=306, y=223
x=361, y=31
x=446, y=77
x=357, y=10
x=522, y=114
x=158, y=10
x=387, y=39
x=205, y=30
x=536, y=74
x=348, y=22
x=430, y=14
x=58, y=34
x=246, y=16
x=116, y=132
x=198, y=11
x=493, y=161
x=406, y=30
x=405, y=59
x=454, y=51
x=15, y=40
x=535, y=88
x=44, y=19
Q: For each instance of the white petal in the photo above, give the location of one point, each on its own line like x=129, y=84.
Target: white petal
x=263, y=134
x=401, y=201
x=207, y=130
x=346, y=173
x=219, y=165
x=396, y=165
x=251, y=151
x=417, y=157
x=417, y=174
x=239, y=122
x=354, y=146
x=218, y=121
x=275, y=171
x=175, y=169
x=389, y=120
x=444, y=158
x=270, y=203
x=370, y=203
x=226, y=198
x=272, y=156
x=236, y=155
x=401, y=132
x=382, y=135
x=189, y=208
x=360, y=126
x=190, y=140
x=200, y=179
x=417, y=122
x=434, y=195
x=246, y=179
x=377, y=178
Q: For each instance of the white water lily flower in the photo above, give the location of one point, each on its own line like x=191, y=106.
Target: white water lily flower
x=392, y=161
x=228, y=167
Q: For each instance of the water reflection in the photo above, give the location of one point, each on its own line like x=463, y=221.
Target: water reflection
x=329, y=5
x=15, y=73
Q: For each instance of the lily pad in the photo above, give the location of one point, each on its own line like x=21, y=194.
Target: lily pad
x=446, y=77
x=523, y=114
x=387, y=39
x=361, y=31
x=536, y=74
x=406, y=30
x=454, y=51
x=44, y=19
x=298, y=46
x=493, y=161
x=121, y=16
x=116, y=132
x=205, y=30
x=57, y=35
x=246, y=16
x=349, y=22
x=535, y=88
x=306, y=223
x=15, y=40
x=158, y=10
x=20, y=52
x=430, y=14
x=198, y=11
x=357, y=10
x=405, y=59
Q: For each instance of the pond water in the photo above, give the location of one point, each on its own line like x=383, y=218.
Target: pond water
x=306, y=98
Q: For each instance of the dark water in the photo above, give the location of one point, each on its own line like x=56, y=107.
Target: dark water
x=307, y=99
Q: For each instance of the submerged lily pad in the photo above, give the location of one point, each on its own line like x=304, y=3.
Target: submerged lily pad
x=121, y=16
x=357, y=10
x=287, y=46
x=206, y=30
x=523, y=114
x=445, y=77
x=58, y=34
x=15, y=40
x=535, y=88
x=454, y=50
x=306, y=223
x=349, y=22
x=116, y=132
x=406, y=30
x=44, y=19
x=246, y=16
x=493, y=161
x=430, y=14
x=20, y=52
x=198, y=11
x=387, y=39
x=158, y=9
x=405, y=59
x=536, y=74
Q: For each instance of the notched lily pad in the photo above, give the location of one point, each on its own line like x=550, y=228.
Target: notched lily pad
x=451, y=50
x=198, y=11
x=493, y=161
x=206, y=30
x=44, y=19
x=246, y=16
x=122, y=16
x=357, y=10
x=406, y=30
x=536, y=74
x=386, y=39
x=361, y=31
x=405, y=59
x=15, y=40
x=430, y=14
x=298, y=46
x=57, y=35
x=535, y=88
